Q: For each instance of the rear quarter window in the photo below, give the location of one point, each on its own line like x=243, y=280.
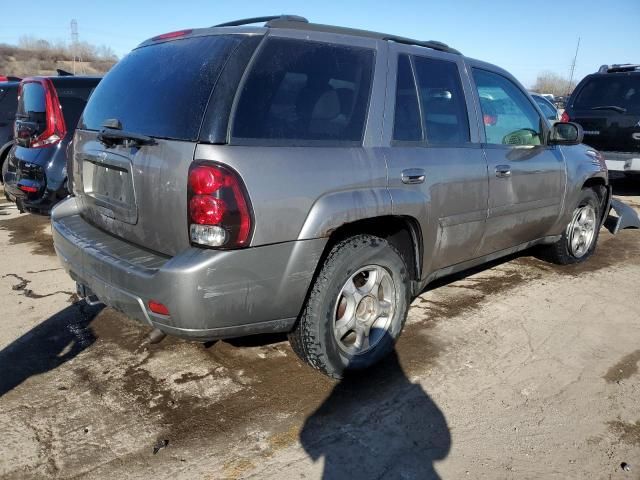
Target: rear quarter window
x=304, y=92
x=161, y=90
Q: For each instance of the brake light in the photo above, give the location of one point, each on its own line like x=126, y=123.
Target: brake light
x=27, y=189
x=565, y=117
x=55, y=127
x=3, y=78
x=170, y=35
x=219, y=212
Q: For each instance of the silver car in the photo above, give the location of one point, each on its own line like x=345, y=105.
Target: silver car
x=311, y=179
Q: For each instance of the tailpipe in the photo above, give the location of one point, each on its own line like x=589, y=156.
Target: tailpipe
x=156, y=336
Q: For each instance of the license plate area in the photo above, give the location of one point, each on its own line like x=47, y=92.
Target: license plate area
x=108, y=186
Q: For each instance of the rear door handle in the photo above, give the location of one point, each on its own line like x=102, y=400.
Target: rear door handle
x=413, y=175
x=503, y=171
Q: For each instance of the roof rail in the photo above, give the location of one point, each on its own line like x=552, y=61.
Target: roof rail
x=284, y=23
x=249, y=21
x=301, y=23
x=432, y=44
x=623, y=67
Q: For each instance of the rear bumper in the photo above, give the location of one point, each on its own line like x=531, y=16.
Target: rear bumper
x=210, y=294
x=622, y=161
x=40, y=201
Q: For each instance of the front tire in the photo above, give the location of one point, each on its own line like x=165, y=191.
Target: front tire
x=579, y=239
x=356, y=308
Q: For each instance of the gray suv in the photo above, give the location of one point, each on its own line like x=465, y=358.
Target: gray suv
x=311, y=179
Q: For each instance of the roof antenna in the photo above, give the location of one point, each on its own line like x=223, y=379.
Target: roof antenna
x=573, y=67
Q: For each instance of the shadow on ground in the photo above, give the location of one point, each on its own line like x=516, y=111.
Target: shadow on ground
x=377, y=424
x=47, y=346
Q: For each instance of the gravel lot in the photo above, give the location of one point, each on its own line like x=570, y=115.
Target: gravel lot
x=518, y=370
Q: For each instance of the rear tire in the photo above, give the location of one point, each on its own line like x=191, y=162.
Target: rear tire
x=579, y=239
x=356, y=308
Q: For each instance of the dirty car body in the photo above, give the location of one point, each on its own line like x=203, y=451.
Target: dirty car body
x=129, y=236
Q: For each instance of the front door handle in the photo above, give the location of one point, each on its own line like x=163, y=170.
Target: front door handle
x=503, y=171
x=413, y=175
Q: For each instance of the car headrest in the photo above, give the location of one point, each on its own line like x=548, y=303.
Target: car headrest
x=327, y=107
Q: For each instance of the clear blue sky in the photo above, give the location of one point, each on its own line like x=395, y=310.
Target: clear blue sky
x=522, y=37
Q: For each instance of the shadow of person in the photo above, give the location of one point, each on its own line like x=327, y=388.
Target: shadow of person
x=47, y=346
x=377, y=424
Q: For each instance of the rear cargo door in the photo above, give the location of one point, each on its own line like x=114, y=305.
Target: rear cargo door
x=135, y=191
x=608, y=108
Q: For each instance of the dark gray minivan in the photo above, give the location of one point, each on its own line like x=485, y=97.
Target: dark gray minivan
x=311, y=179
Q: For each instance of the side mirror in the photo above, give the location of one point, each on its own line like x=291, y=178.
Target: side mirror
x=566, y=133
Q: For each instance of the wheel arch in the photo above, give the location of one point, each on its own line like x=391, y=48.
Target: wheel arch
x=403, y=232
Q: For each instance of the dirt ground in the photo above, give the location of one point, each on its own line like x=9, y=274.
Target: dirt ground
x=518, y=370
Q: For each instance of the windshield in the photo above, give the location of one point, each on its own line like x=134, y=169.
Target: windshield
x=617, y=90
x=161, y=90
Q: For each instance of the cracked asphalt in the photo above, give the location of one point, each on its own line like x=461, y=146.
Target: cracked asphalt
x=520, y=369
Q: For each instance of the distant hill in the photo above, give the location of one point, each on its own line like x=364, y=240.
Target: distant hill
x=39, y=57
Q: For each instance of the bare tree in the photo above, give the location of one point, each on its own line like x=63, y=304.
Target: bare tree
x=550, y=82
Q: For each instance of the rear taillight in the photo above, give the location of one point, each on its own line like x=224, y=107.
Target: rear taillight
x=565, y=117
x=219, y=212
x=55, y=127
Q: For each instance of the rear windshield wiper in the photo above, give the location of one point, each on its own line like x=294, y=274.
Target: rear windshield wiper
x=112, y=134
x=611, y=107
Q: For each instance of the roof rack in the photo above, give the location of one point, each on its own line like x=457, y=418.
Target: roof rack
x=249, y=21
x=623, y=67
x=301, y=23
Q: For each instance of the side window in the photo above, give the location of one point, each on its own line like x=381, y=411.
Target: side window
x=305, y=91
x=509, y=117
x=443, y=102
x=406, y=125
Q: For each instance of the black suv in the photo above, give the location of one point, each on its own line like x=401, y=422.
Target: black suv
x=8, y=105
x=607, y=105
x=35, y=172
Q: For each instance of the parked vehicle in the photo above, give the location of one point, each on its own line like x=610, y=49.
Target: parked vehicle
x=294, y=178
x=548, y=109
x=8, y=105
x=35, y=172
x=607, y=105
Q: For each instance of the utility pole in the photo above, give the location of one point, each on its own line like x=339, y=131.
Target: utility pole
x=74, y=42
x=573, y=66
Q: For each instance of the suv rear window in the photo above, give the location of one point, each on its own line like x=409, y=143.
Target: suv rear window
x=618, y=90
x=161, y=90
x=304, y=91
